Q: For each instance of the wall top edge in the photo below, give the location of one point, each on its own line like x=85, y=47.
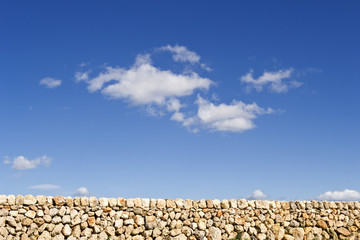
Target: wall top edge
x=174, y=203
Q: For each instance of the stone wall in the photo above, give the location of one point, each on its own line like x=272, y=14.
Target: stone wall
x=57, y=217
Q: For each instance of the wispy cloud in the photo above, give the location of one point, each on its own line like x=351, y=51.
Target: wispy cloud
x=82, y=191
x=22, y=163
x=81, y=76
x=277, y=82
x=181, y=54
x=6, y=160
x=50, y=82
x=346, y=195
x=257, y=195
x=45, y=187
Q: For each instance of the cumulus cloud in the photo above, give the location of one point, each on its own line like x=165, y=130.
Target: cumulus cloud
x=257, y=195
x=22, y=163
x=163, y=91
x=234, y=117
x=82, y=191
x=50, y=82
x=346, y=195
x=144, y=84
x=45, y=187
x=277, y=82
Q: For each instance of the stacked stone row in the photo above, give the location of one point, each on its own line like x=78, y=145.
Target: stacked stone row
x=57, y=217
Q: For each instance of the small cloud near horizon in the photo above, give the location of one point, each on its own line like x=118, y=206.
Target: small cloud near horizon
x=257, y=195
x=81, y=192
x=345, y=195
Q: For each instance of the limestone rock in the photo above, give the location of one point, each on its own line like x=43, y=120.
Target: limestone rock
x=3, y=199
x=45, y=236
x=41, y=200
x=84, y=201
x=27, y=222
x=11, y=200
x=297, y=233
x=170, y=203
x=103, y=202
x=150, y=222
x=180, y=203
x=66, y=230
x=59, y=200
x=39, y=221
x=4, y=212
x=29, y=200
x=202, y=224
x=180, y=237
x=57, y=229
x=139, y=220
x=30, y=214
x=91, y=221
x=343, y=231
x=215, y=233
x=138, y=237
x=110, y=231
x=225, y=204
x=130, y=203
x=11, y=221
x=322, y=224
x=229, y=228
x=112, y=202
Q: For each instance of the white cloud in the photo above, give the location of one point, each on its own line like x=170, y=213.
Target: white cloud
x=81, y=76
x=257, y=195
x=162, y=91
x=144, y=84
x=45, y=187
x=6, y=160
x=82, y=191
x=50, y=82
x=275, y=81
x=181, y=54
x=22, y=163
x=235, y=117
x=346, y=195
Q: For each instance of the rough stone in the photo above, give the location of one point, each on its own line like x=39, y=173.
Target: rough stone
x=29, y=200
x=343, y=231
x=215, y=233
x=3, y=199
x=30, y=214
x=104, y=202
x=59, y=200
x=297, y=233
x=66, y=230
x=41, y=200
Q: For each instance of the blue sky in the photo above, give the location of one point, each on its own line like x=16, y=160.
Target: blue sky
x=180, y=99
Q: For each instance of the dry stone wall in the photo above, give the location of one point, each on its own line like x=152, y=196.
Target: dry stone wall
x=41, y=217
